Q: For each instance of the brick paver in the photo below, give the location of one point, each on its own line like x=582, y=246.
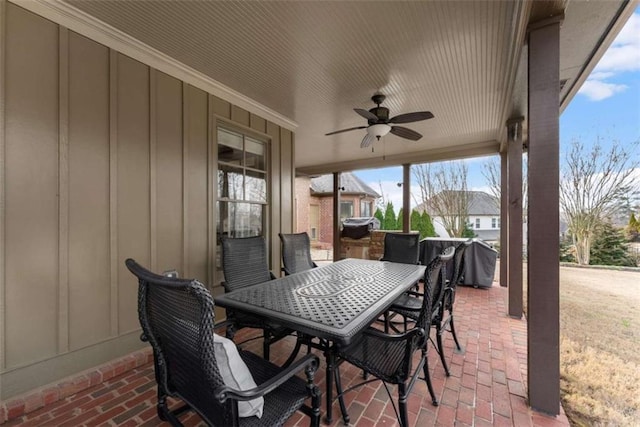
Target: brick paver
x=487, y=385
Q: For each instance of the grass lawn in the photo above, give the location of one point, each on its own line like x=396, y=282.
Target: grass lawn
x=600, y=346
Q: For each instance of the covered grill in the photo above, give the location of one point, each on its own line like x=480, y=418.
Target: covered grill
x=357, y=228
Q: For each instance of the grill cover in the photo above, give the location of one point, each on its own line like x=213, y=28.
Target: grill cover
x=357, y=228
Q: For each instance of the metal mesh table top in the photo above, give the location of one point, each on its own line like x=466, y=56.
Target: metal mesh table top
x=333, y=302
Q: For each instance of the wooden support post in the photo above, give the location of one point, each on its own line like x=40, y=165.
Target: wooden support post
x=543, y=217
x=514, y=225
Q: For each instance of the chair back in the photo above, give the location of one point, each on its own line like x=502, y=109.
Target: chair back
x=296, y=252
x=434, y=282
x=177, y=318
x=402, y=247
x=244, y=262
x=458, y=271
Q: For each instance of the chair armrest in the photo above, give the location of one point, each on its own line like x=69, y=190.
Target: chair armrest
x=309, y=363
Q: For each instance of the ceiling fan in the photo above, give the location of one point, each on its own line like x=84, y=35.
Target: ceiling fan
x=380, y=124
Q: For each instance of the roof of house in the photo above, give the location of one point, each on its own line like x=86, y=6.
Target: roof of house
x=480, y=203
x=351, y=184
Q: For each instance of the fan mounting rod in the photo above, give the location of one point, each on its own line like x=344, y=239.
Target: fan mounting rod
x=378, y=98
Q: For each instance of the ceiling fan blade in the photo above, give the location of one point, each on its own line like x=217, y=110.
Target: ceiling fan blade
x=407, y=133
x=366, y=114
x=345, y=130
x=367, y=141
x=411, y=117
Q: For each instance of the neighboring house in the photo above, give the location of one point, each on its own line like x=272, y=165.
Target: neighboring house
x=483, y=215
x=314, y=204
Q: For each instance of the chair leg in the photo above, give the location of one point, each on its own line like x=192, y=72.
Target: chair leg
x=453, y=332
x=230, y=332
x=402, y=405
x=427, y=378
x=386, y=322
x=265, y=346
x=441, y=350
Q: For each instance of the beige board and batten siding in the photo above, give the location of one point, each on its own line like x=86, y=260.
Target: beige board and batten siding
x=103, y=158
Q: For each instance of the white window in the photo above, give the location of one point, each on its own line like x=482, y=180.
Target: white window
x=494, y=222
x=242, y=185
x=477, y=222
x=365, y=208
x=346, y=210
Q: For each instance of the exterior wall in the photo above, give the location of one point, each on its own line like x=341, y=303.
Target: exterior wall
x=325, y=236
x=102, y=158
x=485, y=231
x=303, y=202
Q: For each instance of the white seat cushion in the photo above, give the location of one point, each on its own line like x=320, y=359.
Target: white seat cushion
x=235, y=374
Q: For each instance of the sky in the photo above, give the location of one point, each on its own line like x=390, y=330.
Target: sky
x=607, y=105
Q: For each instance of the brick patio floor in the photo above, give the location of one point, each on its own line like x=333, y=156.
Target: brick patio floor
x=487, y=385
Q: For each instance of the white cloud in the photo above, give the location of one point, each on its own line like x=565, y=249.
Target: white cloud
x=597, y=90
x=630, y=33
x=622, y=56
x=601, y=75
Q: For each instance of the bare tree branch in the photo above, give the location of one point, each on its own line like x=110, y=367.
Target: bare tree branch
x=444, y=193
x=593, y=185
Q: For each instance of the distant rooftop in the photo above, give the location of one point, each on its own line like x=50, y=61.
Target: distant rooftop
x=351, y=184
x=480, y=203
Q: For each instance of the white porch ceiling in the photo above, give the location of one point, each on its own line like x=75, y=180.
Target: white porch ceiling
x=314, y=61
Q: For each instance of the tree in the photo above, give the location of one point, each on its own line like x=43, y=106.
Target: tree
x=389, y=218
x=416, y=222
x=422, y=223
x=491, y=173
x=443, y=189
x=400, y=220
x=468, y=232
x=609, y=247
x=593, y=184
x=427, y=226
x=632, y=230
x=380, y=216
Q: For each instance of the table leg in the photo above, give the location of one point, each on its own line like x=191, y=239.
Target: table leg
x=331, y=360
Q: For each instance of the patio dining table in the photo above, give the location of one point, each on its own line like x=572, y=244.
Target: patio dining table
x=332, y=303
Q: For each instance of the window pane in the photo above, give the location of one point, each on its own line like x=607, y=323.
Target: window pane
x=365, y=208
x=346, y=210
x=229, y=147
x=230, y=183
x=255, y=221
x=246, y=220
x=254, y=154
x=256, y=187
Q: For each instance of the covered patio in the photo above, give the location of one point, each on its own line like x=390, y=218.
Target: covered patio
x=487, y=386
x=149, y=130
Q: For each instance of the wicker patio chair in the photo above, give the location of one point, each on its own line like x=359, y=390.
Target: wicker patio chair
x=390, y=357
x=296, y=253
x=244, y=263
x=177, y=319
x=450, y=293
x=408, y=305
x=403, y=248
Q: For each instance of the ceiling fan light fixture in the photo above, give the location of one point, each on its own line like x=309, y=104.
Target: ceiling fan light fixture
x=378, y=130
